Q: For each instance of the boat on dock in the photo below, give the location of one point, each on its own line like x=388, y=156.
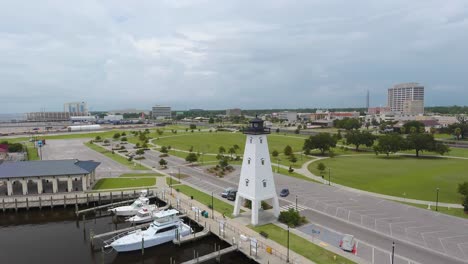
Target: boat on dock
x=131, y=210
x=165, y=227
x=143, y=215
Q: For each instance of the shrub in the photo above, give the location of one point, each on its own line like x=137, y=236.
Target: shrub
x=292, y=218
x=291, y=170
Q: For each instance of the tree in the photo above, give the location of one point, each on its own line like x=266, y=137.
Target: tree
x=191, y=157
x=159, y=132
x=164, y=149
x=162, y=163
x=211, y=121
x=140, y=151
x=321, y=167
x=425, y=142
x=463, y=188
x=288, y=150
x=231, y=151
x=124, y=134
x=417, y=127
x=221, y=150
x=116, y=135
x=321, y=141
x=275, y=153
x=98, y=138
x=142, y=137
x=145, y=146
x=358, y=138
x=123, y=139
x=458, y=132
x=293, y=158
x=347, y=123
x=389, y=143
x=137, y=145
x=236, y=147
x=277, y=130
x=367, y=125
x=191, y=149
x=223, y=162
x=193, y=126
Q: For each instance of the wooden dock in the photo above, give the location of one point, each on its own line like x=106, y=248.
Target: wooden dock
x=213, y=255
x=181, y=240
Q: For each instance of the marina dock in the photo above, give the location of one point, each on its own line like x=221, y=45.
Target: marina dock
x=214, y=255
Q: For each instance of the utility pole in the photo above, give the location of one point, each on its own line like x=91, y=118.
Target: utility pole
x=329, y=176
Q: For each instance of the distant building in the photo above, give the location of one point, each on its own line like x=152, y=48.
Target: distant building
x=76, y=108
x=113, y=118
x=161, y=112
x=233, y=112
x=406, y=98
x=377, y=110
x=48, y=116
x=127, y=111
x=287, y=116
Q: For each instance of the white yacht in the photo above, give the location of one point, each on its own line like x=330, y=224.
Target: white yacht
x=130, y=210
x=143, y=215
x=166, y=226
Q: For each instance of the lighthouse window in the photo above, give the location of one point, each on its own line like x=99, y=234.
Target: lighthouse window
x=263, y=161
x=248, y=161
x=261, y=140
x=246, y=182
x=264, y=183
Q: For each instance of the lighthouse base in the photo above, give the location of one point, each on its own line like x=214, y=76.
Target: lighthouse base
x=258, y=215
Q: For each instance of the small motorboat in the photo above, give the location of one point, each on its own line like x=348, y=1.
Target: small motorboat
x=143, y=215
x=131, y=210
x=165, y=227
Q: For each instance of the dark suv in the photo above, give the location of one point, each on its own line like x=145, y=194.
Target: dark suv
x=232, y=195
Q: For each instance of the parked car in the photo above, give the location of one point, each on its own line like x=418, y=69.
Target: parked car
x=232, y=195
x=284, y=192
x=226, y=191
x=348, y=243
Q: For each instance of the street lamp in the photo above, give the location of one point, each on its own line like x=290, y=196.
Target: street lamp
x=277, y=169
x=170, y=184
x=287, y=256
x=329, y=176
x=179, y=174
x=437, y=198
x=393, y=251
x=296, y=204
x=212, y=206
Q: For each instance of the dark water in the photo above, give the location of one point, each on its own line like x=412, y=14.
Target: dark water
x=55, y=236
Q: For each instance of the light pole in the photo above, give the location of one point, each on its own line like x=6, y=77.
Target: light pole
x=329, y=176
x=277, y=169
x=296, y=204
x=393, y=251
x=212, y=206
x=287, y=254
x=170, y=184
x=437, y=198
x=179, y=174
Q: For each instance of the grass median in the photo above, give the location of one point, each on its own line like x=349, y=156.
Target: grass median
x=116, y=157
x=300, y=245
x=120, y=183
x=219, y=206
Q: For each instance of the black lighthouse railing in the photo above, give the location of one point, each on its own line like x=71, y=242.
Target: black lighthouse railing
x=256, y=127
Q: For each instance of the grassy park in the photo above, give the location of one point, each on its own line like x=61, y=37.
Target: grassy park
x=410, y=177
x=123, y=182
x=300, y=245
x=116, y=157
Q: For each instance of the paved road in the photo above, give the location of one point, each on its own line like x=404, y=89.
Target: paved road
x=420, y=235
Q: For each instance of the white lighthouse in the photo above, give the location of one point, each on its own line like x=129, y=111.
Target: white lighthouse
x=256, y=181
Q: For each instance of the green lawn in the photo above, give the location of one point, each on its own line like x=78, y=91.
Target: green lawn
x=455, y=152
x=300, y=245
x=32, y=152
x=204, y=198
x=116, y=157
x=135, y=175
x=418, y=178
x=458, y=212
x=117, y=183
x=210, y=142
x=172, y=181
x=293, y=174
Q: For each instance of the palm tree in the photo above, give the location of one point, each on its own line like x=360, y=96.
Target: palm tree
x=231, y=151
x=458, y=133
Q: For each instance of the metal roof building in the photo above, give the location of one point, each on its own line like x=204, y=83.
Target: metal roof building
x=42, y=172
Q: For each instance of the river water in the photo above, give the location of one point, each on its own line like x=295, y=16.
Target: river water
x=55, y=236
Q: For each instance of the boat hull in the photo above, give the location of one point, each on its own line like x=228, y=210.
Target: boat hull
x=140, y=240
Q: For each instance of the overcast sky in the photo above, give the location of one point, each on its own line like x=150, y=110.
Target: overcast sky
x=224, y=54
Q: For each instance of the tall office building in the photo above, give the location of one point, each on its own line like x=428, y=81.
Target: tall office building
x=406, y=98
x=161, y=112
x=76, y=108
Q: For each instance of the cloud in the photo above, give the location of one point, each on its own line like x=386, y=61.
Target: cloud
x=218, y=54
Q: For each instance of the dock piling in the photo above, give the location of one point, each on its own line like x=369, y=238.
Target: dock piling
x=16, y=205
x=40, y=203
x=51, y=203
x=27, y=204
x=3, y=204
x=64, y=201
x=142, y=246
